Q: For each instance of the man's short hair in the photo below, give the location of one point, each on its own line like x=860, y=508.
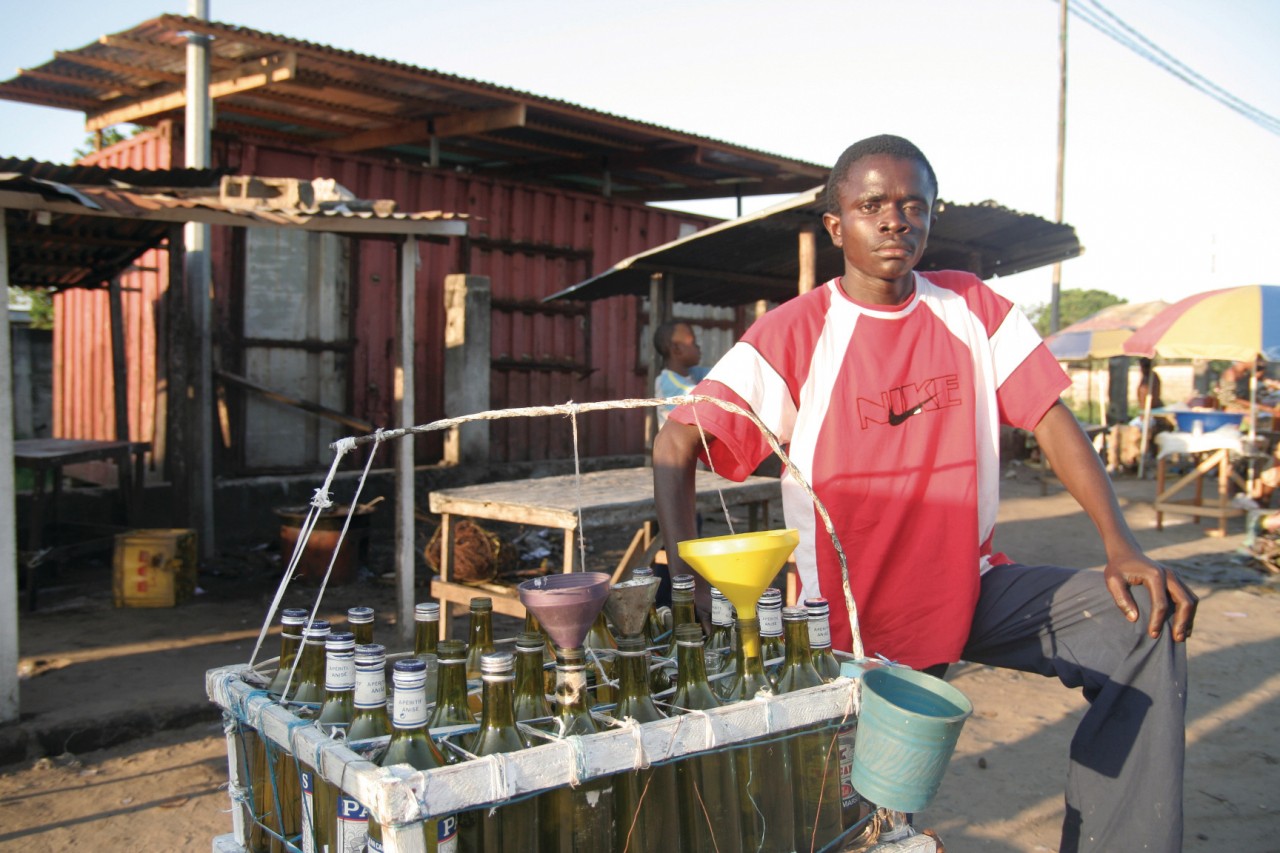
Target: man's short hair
x=663, y=334
x=894, y=146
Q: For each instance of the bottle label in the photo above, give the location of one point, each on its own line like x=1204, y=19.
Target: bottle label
x=447, y=834
x=371, y=688
x=721, y=611
x=844, y=742
x=352, y=829
x=339, y=673
x=571, y=685
x=410, y=709
x=374, y=845
x=819, y=634
x=770, y=622
x=308, y=803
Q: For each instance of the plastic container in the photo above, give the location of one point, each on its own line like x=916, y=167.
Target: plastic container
x=154, y=568
x=1209, y=421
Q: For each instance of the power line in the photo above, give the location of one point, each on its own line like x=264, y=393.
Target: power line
x=1109, y=24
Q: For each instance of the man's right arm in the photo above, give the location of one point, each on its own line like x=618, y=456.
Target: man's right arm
x=675, y=462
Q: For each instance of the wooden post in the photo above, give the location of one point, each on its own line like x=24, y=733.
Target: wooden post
x=177, y=382
x=467, y=335
x=8, y=536
x=120, y=388
x=808, y=259
x=661, y=301
x=404, y=414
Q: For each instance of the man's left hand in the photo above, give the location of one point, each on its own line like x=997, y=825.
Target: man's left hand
x=1163, y=585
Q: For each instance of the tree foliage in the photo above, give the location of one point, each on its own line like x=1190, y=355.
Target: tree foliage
x=1073, y=305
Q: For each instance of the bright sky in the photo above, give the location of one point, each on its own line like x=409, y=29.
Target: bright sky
x=1170, y=192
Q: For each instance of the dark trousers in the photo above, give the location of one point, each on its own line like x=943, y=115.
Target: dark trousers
x=1124, y=784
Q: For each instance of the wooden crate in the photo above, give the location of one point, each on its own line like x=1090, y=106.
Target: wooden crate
x=154, y=568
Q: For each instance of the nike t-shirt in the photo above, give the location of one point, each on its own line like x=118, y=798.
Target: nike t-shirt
x=893, y=416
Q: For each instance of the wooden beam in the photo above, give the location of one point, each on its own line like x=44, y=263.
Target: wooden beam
x=100, y=84
x=480, y=121
x=252, y=75
x=422, y=130
x=101, y=64
x=807, y=259
x=172, y=54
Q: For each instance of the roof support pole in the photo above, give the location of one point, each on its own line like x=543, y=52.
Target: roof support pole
x=1055, y=298
x=197, y=272
x=807, y=259
x=403, y=408
x=8, y=534
x=120, y=388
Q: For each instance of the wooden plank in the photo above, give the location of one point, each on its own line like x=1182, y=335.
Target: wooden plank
x=421, y=130
x=252, y=75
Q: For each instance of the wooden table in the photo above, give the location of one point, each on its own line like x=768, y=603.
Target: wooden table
x=1209, y=455
x=615, y=498
x=43, y=455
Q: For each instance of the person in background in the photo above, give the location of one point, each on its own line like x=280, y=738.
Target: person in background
x=678, y=346
x=888, y=386
x=1148, y=385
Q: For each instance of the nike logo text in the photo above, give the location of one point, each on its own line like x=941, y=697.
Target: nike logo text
x=896, y=405
x=895, y=418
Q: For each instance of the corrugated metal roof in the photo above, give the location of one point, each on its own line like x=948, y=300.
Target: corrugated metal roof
x=64, y=235
x=756, y=257
x=284, y=88
x=110, y=176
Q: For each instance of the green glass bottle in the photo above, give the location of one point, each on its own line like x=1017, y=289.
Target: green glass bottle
x=306, y=693
x=533, y=626
x=531, y=697
x=852, y=808
x=815, y=756
x=601, y=651
x=291, y=621
x=720, y=642
x=763, y=766
x=571, y=820
x=480, y=633
x=652, y=624
x=682, y=610
x=508, y=828
x=644, y=800
x=320, y=797
x=709, y=812
x=350, y=827
x=411, y=744
x=426, y=628
x=451, y=688
x=360, y=623
x=769, y=612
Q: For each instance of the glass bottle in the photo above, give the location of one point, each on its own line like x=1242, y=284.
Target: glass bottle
x=720, y=642
x=682, y=610
x=451, y=687
x=709, y=812
x=305, y=696
x=351, y=819
x=291, y=621
x=815, y=756
x=763, y=767
x=426, y=628
x=531, y=697
x=824, y=661
x=601, y=671
x=480, y=633
x=360, y=623
x=319, y=809
x=533, y=626
x=652, y=624
x=769, y=612
x=508, y=828
x=411, y=744
x=571, y=820
x=645, y=799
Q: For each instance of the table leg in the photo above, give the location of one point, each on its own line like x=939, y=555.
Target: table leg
x=35, y=536
x=1223, y=482
x=569, y=553
x=446, y=569
x=1160, y=491
x=1199, y=496
x=753, y=516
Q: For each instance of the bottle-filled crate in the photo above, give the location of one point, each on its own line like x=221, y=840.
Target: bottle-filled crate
x=400, y=798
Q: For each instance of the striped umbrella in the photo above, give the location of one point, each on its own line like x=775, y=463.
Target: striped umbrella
x=1102, y=334
x=1235, y=324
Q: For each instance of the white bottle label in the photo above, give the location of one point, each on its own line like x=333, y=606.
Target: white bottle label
x=339, y=673
x=447, y=834
x=308, y=803
x=374, y=846
x=819, y=634
x=410, y=709
x=371, y=689
x=770, y=622
x=721, y=611
x=352, y=826
x=844, y=742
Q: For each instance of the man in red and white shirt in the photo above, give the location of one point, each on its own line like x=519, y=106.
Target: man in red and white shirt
x=888, y=388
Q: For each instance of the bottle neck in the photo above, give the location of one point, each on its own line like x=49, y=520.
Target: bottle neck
x=409, y=713
x=498, y=697
x=571, y=683
x=770, y=621
x=363, y=632
x=797, y=638
x=339, y=674
x=691, y=666
x=721, y=612
x=426, y=636
x=482, y=630
x=529, y=671
x=453, y=683
x=371, y=686
x=747, y=654
x=819, y=633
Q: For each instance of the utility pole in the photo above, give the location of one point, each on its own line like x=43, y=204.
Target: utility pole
x=1055, y=300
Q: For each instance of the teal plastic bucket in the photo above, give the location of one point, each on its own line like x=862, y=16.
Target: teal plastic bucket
x=907, y=732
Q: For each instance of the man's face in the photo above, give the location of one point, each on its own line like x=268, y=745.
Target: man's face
x=684, y=346
x=886, y=210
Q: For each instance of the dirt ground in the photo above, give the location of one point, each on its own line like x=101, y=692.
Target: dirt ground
x=94, y=670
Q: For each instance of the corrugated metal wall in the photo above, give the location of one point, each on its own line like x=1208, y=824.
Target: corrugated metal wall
x=530, y=241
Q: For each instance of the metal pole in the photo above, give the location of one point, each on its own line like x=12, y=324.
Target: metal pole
x=8, y=537
x=197, y=273
x=1055, y=313
x=405, y=386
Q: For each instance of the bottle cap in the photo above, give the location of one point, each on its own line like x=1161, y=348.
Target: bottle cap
x=715, y=593
x=482, y=603
x=293, y=616
x=371, y=653
x=795, y=614
x=318, y=629
x=340, y=641
x=428, y=611
x=496, y=663
x=642, y=572
x=409, y=674
x=682, y=582
x=409, y=665
x=359, y=615
x=529, y=641
x=771, y=596
x=818, y=608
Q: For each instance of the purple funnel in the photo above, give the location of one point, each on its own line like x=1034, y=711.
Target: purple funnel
x=628, y=605
x=566, y=604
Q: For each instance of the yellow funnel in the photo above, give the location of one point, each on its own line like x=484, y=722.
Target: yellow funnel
x=740, y=565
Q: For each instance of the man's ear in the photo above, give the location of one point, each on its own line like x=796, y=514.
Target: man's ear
x=832, y=223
